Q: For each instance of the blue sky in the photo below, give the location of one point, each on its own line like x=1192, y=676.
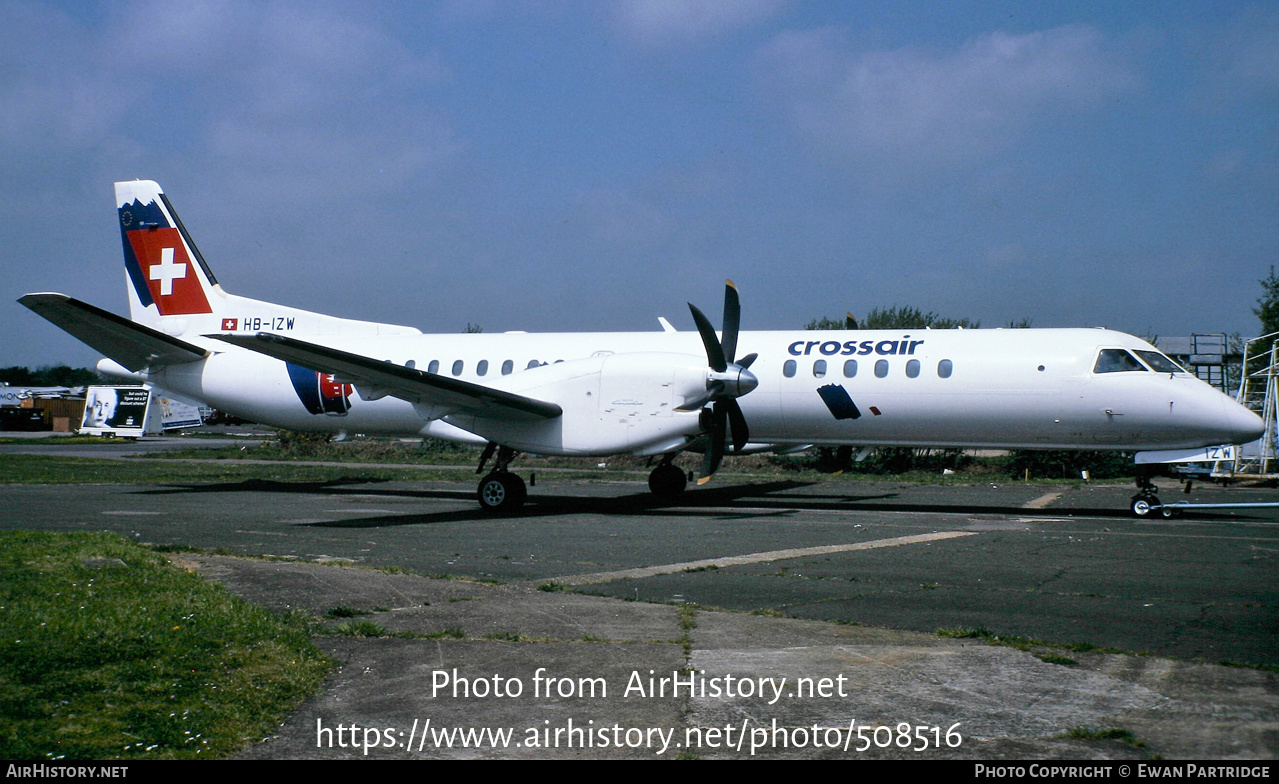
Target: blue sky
x=584, y=166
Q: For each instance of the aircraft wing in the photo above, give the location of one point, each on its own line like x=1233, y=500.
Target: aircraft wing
x=385, y=377
x=132, y=345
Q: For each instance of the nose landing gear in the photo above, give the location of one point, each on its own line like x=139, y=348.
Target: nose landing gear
x=1145, y=502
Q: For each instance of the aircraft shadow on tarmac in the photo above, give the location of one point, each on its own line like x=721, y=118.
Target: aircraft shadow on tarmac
x=722, y=502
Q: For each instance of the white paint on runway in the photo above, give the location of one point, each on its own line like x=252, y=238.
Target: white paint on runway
x=753, y=558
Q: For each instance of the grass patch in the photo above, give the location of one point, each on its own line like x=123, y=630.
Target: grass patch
x=965, y=633
x=299, y=446
x=52, y=469
x=505, y=637
x=1029, y=643
x=107, y=651
x=1107, y=733
x=687, y=623
x=452, y=633
x=553, y=587
x=688, y=617
x=1057, y=658
x=342, y=611
x=60, y=440
x=361, y=629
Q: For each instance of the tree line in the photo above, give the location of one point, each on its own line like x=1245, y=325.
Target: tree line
x=49, y=376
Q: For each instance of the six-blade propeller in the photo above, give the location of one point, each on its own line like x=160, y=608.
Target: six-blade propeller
x=726, y=381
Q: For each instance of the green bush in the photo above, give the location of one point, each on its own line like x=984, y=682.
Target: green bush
x=1068, y=464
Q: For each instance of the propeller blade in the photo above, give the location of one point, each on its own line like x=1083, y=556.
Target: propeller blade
x=714, y=352
x=712, y=389
x=725, y=411
x=732, y=320
x=715, y=448
x=741, y=433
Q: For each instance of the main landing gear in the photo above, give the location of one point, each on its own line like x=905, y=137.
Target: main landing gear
x=500, y=490
x=667, y=480
x=1145, y=502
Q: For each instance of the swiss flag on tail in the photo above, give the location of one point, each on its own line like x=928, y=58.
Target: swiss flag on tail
x=169, y=274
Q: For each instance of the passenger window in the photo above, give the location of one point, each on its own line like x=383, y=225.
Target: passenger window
x=850, y=368
x=1160, y=363
x=788, y=369
x=434, y=367
x=881, y=368
x=532, y=363
x=912, y=369
x=819, y=368
x=945, y=368
x=482, y=368
x=507, y=367
x=411, y=364
x=457, y=368
x=1116, y=360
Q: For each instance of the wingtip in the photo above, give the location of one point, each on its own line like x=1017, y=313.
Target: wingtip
x=37, y=297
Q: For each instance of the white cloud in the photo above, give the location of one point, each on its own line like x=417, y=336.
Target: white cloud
x=157, y=69
x=915, y=106
x=660, y=22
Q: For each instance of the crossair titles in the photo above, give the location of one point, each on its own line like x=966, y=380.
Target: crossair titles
x=903, y=347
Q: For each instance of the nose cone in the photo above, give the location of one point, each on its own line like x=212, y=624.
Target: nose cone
x=1242, y=424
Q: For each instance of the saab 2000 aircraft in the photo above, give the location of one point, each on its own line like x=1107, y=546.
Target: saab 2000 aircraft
x=654, y=393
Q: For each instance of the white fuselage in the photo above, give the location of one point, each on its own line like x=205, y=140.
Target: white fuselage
x=1003, y=388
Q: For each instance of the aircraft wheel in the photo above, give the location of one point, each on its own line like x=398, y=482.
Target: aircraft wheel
x=1169, y=511
x=667, y=481
x=1141, y=505
x=502, y=492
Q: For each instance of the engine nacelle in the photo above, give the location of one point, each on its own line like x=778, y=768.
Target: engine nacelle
x=613, y=404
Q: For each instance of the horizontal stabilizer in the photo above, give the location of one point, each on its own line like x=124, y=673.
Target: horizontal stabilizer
x=415, y=386
x=132, y=345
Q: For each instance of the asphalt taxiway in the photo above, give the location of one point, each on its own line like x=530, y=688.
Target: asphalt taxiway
x=865, y=573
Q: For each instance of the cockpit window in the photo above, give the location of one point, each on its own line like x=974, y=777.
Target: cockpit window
x=1116, y=360
x=1160, y=363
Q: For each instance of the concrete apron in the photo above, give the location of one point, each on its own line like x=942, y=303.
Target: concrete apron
x=604, y=678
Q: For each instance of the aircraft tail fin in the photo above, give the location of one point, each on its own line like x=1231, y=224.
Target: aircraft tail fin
x=172, y=289
x=167, y=275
